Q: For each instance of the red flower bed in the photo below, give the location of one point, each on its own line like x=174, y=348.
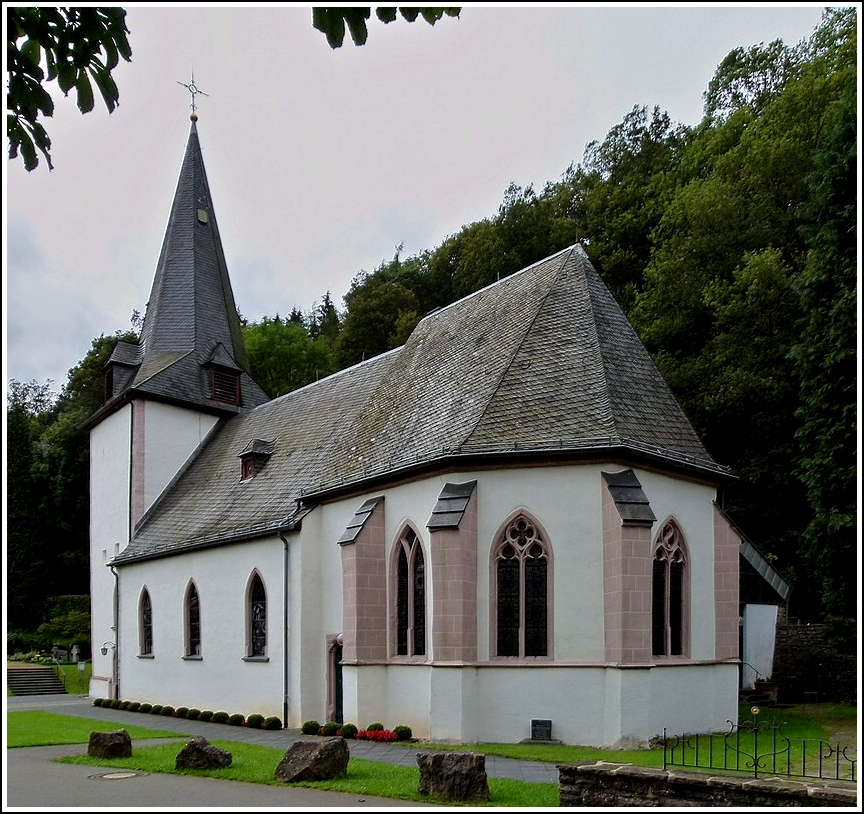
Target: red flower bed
x=379, y=735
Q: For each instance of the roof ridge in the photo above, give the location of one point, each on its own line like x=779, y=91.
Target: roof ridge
x=537, y=311
x=596, y=347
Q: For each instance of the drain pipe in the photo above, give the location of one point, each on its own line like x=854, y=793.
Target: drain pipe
x=115, y=660
x=285, y=581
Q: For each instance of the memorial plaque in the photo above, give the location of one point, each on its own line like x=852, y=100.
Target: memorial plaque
x=541, y=729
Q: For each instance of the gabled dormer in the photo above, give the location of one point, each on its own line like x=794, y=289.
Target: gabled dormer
x=253, y=458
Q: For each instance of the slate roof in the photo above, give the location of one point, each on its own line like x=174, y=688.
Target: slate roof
x=542, y=362
x=191, y=319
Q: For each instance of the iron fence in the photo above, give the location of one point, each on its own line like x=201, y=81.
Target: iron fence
x=760, y=747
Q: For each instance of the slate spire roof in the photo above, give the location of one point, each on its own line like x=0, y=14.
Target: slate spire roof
x=540, y=367
x=191, y=323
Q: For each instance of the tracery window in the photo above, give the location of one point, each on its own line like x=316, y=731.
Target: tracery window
x=522, y=591
x=145, y=626
x=410, y=596
x=193, y=622
x=668, y=593
x=257, y=617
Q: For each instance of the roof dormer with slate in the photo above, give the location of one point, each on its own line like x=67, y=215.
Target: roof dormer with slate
x=191, y=350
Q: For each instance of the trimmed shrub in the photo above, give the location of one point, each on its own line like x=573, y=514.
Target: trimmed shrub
x=206, y=715
x=348, y=731
x=156, y=709
x=124, y=705
x=181, y=712
x=236, y=719
x=255, y=721
x=310, y=727
x=376, y=727
x=220, y=717
x=167, y=711
x=403, y=733
x=134, y=706
x=115, y=703
x=192, y=714
x=330, y=728
x=97, y=702
x=145, y=708
x=272, y=722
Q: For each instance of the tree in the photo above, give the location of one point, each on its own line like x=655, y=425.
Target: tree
x=333, y=21
x=75, y=45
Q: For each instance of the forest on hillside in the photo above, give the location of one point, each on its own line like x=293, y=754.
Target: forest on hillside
x=731, y=245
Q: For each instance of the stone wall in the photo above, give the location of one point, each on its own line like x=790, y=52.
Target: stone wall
x=586, y=783
x=808, y=667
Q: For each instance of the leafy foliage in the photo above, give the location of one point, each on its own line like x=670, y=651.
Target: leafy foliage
x=77, y=47
x=332, y=22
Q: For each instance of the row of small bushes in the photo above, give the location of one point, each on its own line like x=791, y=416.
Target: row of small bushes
x=373, y=732
x=255, y=721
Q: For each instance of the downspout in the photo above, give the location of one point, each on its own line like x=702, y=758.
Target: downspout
x=285, y=575
x=115, y=660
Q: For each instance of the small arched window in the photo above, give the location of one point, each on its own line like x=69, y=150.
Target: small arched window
x=257, y=626
x=410, y=596
x=145, y=625
x=522, y=591
x=668, y=593
x=193, y=622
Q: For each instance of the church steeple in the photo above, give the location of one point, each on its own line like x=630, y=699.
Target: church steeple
x=191, y=347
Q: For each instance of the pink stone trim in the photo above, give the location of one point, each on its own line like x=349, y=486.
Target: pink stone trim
x=626, y=587
x=726, y=588
x=139, y=469
x=364, y=591
x=453, y=620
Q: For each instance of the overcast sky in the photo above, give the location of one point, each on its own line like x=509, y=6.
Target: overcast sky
x=321, y=162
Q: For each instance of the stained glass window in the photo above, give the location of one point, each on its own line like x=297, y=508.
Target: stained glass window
x=522, y=591
x=146, y=625
x=257, y=618
x=667, y=600
x=193, y=623
x=410, y=597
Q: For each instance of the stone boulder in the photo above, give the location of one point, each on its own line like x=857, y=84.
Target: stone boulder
x=320, y=759
x=200, y=754
x=110, y=744
x=457, y=776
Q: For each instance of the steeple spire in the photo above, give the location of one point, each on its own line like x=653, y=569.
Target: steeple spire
x=191, y=347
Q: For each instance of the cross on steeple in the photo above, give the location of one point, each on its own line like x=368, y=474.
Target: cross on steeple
x=194, y=90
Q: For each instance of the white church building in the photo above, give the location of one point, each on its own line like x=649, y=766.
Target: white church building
x=506, y=526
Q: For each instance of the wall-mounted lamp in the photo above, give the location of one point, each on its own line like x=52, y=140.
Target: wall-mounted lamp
x=105, y=646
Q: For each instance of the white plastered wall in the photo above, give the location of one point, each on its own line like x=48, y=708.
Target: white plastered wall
x=110, y=445
x=220, y=680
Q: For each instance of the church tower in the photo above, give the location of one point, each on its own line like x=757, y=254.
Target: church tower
x=164, y=395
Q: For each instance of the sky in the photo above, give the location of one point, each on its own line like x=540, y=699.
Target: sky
x=323, y=162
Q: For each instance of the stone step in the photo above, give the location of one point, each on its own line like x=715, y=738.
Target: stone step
x=33, y=681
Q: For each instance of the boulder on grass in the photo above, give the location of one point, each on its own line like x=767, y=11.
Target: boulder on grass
x=110, y=744
x=321, y=759
x=457, y=776
x=200, y=754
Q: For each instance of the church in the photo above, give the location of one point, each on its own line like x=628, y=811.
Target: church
x=505, y=529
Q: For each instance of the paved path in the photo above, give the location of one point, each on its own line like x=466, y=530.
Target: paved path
x=33, y=781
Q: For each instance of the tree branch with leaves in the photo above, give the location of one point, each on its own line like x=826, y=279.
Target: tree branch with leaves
x=79, y=47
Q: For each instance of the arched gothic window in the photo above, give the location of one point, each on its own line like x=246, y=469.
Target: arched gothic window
x=522, y=591
x=667, y=593
x=257, y=627
x=193, y=622
x=145, y=625
x=410, y=596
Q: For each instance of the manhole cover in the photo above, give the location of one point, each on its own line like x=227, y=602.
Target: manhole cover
x=117, y=775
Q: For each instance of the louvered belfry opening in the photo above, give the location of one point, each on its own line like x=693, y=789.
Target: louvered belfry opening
x=225, y=385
